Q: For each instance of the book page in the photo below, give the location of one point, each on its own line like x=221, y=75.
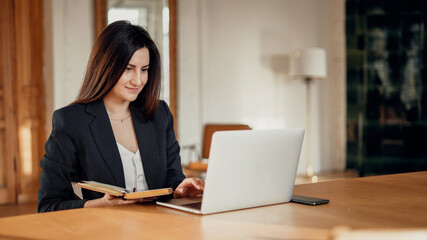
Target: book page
x=102, y=187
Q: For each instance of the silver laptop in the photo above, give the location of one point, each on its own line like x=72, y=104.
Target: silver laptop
x=247, y=169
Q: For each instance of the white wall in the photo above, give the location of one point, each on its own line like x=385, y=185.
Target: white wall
x=233, y=67
x=69, y=36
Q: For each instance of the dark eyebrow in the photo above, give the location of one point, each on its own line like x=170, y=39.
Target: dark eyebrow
x=135, y=66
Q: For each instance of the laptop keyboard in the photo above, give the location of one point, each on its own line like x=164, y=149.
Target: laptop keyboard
x=197, y=205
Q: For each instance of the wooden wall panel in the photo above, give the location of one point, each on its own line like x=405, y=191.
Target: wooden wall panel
x=100, y=7
x=173, y=62
x=7, y=116
x=29, y=89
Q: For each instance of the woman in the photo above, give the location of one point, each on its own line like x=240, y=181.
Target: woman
x=117, y=131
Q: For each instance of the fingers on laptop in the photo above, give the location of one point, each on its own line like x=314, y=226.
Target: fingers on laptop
x=190, y=187
x=198, y=183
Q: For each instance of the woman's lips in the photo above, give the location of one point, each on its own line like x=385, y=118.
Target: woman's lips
x=132, y=90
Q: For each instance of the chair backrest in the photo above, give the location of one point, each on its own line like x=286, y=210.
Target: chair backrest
x=211, y=128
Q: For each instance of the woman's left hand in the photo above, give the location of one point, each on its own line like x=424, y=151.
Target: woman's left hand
x=190, y=187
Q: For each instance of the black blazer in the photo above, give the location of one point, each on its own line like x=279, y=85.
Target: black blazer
x=82, y=146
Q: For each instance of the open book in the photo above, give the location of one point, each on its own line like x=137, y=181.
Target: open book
x=121, y=192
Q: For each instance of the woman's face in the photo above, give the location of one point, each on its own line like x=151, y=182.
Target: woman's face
x=133, y=78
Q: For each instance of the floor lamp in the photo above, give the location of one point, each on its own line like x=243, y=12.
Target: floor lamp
x=309, y=65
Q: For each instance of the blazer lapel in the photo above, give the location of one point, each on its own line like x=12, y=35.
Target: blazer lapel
x=148, y=148
x=105, y=141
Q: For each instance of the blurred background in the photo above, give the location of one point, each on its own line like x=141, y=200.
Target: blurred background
x=230, y=62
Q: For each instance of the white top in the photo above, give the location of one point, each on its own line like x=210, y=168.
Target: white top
x=133, y=170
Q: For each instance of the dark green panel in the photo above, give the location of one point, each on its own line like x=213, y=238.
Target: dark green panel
x=386, y=86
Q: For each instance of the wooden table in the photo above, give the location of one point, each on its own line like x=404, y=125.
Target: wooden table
x=391, y=201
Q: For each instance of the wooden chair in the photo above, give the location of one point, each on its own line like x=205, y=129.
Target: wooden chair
x=200, y=165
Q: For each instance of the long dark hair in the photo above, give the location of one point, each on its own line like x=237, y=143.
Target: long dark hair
x=110, y=56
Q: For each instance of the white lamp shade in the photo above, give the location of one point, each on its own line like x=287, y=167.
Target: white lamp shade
x=309, y=63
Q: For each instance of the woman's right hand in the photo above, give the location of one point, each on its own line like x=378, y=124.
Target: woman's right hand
x=109, y=200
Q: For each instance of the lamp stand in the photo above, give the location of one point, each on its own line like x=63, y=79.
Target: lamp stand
x=309, y=167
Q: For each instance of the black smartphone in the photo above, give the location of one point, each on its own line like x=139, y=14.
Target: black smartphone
x=308, y=200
